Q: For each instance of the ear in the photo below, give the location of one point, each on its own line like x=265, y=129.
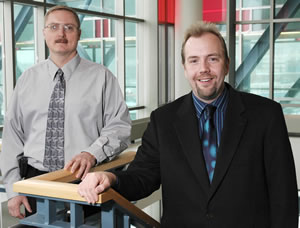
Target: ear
x=227, y=67
x=79, y=34
x=184, y=68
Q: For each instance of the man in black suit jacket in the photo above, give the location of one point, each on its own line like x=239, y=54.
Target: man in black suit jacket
x=254, y=181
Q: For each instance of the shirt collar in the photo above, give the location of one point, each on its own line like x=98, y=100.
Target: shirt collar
x=68, y=68
x=219, y=102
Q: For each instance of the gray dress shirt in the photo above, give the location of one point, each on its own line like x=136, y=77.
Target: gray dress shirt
x=96, y=116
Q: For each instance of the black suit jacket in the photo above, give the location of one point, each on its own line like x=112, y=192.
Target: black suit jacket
x=254, y=184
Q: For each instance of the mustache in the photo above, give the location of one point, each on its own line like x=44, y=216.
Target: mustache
x=62, y=40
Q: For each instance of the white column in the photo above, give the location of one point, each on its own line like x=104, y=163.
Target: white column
x=7, y=52
x=120, y=45
x=148, y=52
x=186, y=13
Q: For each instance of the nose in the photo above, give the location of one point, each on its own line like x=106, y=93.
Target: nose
x=203, y=67
x=61, y=31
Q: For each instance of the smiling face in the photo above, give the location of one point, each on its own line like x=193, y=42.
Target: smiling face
x=205, y=67
x=60, y=42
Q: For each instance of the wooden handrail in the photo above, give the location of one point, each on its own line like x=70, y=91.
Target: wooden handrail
x=54, y=185
x=123, y=202
x=66, y=176
x=68, y=191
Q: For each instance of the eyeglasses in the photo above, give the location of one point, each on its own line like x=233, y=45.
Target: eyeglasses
x=68, y=28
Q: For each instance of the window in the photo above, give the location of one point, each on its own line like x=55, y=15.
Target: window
x=286, y=67
x=112, y=32
x=103, y=6
x=97, y=42
x=131, y=63
x=24, y=37
x=130, y=8
x=267, y=64
x=257, y=81
x=131, y=54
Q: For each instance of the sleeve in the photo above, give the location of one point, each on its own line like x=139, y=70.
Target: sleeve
x=143, y=176
x=116, y=124
x=12, y=144
x=280, y=173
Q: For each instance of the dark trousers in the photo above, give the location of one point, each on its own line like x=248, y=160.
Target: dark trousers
x=32, y=172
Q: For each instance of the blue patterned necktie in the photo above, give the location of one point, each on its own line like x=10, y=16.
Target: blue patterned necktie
x=209, y=140
x=54, y=145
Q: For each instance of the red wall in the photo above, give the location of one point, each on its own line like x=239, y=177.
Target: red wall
x=213, y=10
x=166, y=11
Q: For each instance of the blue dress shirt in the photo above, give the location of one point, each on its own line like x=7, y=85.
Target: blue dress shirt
x=221, y=104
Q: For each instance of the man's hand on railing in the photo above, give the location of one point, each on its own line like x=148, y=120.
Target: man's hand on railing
x=94, y=184
x=82, y=163
x=14, y=204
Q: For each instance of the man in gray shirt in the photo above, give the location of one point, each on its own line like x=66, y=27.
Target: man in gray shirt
x=96, y=123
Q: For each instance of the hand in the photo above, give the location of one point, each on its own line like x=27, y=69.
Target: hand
x=95, y=183
x=82, y=162
x=14, y=205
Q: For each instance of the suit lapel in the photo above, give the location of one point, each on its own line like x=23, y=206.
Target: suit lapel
x=234, y=125
x=186, y=127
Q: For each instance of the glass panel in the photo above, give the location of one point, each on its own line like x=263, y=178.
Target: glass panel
x=287, y=67
x=2, y=106
x=109, y=45
x=130, y=8
x=287, y=9
x=97, y=41
x=222, y=28
x=255, y=3
x=105, y=6
x=24, y=38
x=252, y=49
x=252, y=10
x=260, y=14
x=259, y=27
x=90, y=43
x=109, y=6
x=131, y=63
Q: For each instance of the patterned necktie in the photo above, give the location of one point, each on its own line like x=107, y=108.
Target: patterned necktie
x=54, y=145
x=209, y=140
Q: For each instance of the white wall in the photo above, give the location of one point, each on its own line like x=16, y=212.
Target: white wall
x=187, y=12
x=148, y=61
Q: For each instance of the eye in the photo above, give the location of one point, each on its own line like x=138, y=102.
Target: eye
x=213, y=59
x=69, y=28
x=54, y=27
x=193, y=61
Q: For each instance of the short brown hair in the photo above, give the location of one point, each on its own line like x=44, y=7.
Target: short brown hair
x=60, y=7
x=198, y=29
